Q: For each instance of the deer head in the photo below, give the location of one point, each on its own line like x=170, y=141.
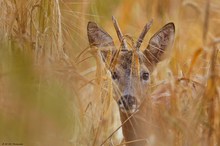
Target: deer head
x=129, y=66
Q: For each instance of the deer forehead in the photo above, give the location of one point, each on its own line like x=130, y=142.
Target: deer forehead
x=127, y=62
x=124, y=59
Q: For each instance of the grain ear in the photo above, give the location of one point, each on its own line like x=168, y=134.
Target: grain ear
x=100, y=39
x=158, y=44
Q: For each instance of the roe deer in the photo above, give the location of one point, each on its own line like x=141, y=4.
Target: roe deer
x=131, y=69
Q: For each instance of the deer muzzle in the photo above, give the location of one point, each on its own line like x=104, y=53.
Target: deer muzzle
x=127, y=104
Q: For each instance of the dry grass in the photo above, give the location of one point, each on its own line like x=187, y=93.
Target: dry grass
x=51, y=95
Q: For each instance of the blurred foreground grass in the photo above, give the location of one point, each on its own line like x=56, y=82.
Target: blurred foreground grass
x=49, y=96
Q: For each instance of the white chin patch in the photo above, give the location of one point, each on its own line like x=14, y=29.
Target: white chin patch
x=130, y=111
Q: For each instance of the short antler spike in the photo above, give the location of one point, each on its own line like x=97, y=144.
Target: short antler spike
x=119, y=33
x=143, y=33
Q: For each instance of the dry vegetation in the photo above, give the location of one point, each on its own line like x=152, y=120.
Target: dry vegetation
x=54, y=90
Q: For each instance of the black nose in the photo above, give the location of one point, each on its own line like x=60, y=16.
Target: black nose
x=127, y=101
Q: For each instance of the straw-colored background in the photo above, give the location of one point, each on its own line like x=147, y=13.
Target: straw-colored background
x=51, y=93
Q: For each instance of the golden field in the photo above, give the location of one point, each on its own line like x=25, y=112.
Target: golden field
x=54, y=91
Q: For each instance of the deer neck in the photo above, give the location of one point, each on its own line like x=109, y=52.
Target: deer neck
x=137, y=128
x=134, y=127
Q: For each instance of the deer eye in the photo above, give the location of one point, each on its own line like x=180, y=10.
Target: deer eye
x=115, y=76
x=145, y=76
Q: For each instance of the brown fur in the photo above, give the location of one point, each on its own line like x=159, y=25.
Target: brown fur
x=130, y=69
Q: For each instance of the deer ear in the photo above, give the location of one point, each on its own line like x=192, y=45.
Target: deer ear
x=158, y=44
x=100, y=39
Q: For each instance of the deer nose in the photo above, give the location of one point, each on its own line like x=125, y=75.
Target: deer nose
x=127, y=102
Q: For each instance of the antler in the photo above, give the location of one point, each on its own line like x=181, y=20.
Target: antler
x=143, y=33
x=119, y=33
